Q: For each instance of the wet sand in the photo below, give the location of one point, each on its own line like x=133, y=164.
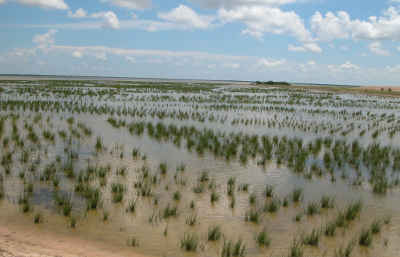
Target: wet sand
x=16, y=241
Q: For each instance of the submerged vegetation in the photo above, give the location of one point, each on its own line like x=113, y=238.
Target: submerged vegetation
x=216, y=170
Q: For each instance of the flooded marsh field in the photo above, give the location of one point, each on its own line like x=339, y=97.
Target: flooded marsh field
x=200, y=169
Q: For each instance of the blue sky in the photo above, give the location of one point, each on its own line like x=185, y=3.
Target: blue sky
x=320, y=41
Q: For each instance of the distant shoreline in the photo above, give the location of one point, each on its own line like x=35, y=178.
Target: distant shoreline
x=112, y=78
x=108, y=78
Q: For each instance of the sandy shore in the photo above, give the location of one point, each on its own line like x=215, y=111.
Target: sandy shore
x=26, y=242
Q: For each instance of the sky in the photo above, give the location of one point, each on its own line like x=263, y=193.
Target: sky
x=316, y=41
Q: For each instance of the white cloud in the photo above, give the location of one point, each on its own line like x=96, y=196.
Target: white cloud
x=235, y=3
x=47, y=4
x=130, y=59
x=393, y=69
x=231, y=65
x=265, y=63
x=80, y=13
x=309, y=66
x=77, y=54
x=44, y=40
x=330, y=27
x=262, y=19
x=186, y=17
x=180, y=18
x=131, y=4
x=376, y=48
x=110, y=19
x=311, y=47
x=2, y=1
x=100, y=56
x=349, y=66
x=23, y=52
x=398, y=48
x=346, y=67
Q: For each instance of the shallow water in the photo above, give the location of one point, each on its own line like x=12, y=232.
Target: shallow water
x=122, y=225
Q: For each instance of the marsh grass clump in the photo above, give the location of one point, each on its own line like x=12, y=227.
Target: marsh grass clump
x=163, y=168
x=38, y=218
x=133, y=242
x=214, y=197
x=135, y=153
x=345, y=252
x=170, y=212
x=365, y=238
x=297, y=195
x=263, y=239
x=231, y=249
x=252, y=216
x=387, y=219
x=99, y=144
x=118, y=191
x=285, y=202
x=131, y=207
x=376, y=226
x=189, y=242
x=199, y=188
x=298, y=217
x=204, y=177
x=67, y=208
x=353, y=210
x=272, y=206
x=296, y=249
x=340, y=220
x=243, y=187
x=312, y=239
x=191, y=220
x=252, y=198
x=105, y=216
x=269, y=191
x=177, y=196
x=330, y=229
x=313, y=208
x=214, y=233
x=72, y=222
x=327, y=202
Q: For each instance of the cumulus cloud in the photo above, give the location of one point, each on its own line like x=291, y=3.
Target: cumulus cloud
x=393, y=69
x=312, y=47
x=47, y=4
x=110, y=19
x=44, y=40
x=231, y=65
x=376, y=48
x=130, y=59
x=266, y=63
x=100, y=56
x=262, y=19
x=77, y=54
x=331, y=26
x=186, y=17
x=80, y=13
x=131, y=4
x=345, y=67
x=349, y=66
x=235, y=3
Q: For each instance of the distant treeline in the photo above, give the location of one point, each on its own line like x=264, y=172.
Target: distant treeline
x=273, y=83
